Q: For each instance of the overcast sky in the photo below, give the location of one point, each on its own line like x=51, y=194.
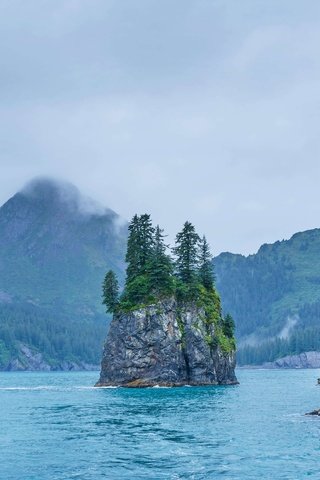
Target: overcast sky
x=206, y=110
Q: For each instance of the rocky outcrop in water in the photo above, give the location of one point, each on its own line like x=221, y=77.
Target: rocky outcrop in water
x=314, y=412
x=166, y=346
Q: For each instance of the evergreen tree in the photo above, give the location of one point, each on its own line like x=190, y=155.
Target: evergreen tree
x=139, y=251
x=160, y=267
x=228, y=326
x=140, y=246
x=132, y=255
x=206, y=275
x=152, y=274
x=186, y=252
x=110, y=292
x=147, y=240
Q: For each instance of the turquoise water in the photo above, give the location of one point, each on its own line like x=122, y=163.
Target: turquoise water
x=55, y=426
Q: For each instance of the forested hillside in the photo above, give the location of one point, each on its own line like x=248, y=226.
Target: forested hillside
x=58, y=336
x=274, y=297
x=55, y=247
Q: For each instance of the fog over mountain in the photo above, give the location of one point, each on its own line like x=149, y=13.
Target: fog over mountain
x=51, y=231
x=55, y=248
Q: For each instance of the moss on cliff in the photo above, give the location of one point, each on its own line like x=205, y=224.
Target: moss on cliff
x=153, y=277
x=165, y=345
x=209, y=302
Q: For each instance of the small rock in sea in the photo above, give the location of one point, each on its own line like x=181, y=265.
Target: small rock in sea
x=318, y=381
x=314, y=412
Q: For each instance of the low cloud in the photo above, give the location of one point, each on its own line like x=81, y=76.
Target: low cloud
x=291, y=322
x=64, y=192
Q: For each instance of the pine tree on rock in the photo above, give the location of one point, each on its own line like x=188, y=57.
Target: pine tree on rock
x=139, y=251
x=110, y=292
x=147, y=240
x=140, y=246
x=160, y=268
x=132, y=257
x=186, y=252
x=205, y=271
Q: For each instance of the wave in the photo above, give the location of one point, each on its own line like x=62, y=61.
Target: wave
x=107, y=386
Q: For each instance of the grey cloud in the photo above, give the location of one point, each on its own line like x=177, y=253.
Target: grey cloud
x=206, y=110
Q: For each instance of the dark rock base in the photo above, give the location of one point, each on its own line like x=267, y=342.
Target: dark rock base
x=165, y=346
x=145, y=384
x=314, y=412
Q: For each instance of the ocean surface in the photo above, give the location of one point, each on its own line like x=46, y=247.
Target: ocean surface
x=57, y=426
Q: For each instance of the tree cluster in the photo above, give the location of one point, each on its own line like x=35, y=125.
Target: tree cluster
x=152, y=273
x=155, y=271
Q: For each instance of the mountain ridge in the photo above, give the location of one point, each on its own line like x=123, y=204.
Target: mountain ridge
x=266, y=290
x=55, y=246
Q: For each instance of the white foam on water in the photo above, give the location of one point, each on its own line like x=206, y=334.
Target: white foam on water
x=50, y=387
x=40, y=387
x=84, y=387
x=108, y=386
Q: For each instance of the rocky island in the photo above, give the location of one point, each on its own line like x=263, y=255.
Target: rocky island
x=167, y=327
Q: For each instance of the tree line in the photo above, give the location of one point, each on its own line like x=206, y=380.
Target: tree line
x=302, y=340
x=57, y=336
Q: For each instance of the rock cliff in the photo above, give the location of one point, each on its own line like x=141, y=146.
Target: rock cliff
x=303, y=360
x=164, y=345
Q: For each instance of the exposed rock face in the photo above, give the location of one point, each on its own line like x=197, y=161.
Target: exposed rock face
x=161, y=345
x=29, y=359
x=304, y=360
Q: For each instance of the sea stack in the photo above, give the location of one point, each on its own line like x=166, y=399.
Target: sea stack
x=165, y=345
x=167, y=327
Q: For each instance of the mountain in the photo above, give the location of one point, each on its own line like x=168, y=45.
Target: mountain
x=274, y=296
x=55, y=247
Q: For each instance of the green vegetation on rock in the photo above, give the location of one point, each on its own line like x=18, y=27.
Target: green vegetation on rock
x=153, y=275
